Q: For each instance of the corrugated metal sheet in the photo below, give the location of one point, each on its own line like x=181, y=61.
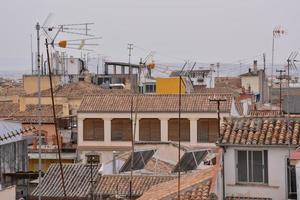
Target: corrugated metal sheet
x=77, y=181
x=8, y=127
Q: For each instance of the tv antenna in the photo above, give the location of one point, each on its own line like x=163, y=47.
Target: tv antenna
x=51, y=32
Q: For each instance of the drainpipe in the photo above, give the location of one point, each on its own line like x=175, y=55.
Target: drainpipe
x=114, y=162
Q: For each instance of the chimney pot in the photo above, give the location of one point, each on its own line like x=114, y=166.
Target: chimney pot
x=255, y=65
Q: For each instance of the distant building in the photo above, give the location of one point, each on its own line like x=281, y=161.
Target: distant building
x=254, y=81
x=229, y=82
x=13, y=156
x=291, y=104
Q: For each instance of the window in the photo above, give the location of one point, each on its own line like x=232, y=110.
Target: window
x=292, y=181
x=149, y=129
x=252, y=166
x=207, y=130
x=93, y=129
x=150, y=88
x=121, y=130
x=173, y=129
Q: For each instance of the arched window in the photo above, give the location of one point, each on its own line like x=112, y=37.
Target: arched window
x=173, y=129
x=93, y=129
x=149, y=129
x=121, y=129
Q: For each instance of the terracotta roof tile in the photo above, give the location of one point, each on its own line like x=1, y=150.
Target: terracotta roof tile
x=264, y=113
x=7, y=109
x=193, y=186
x=12, y=89
x=215, y=90
x=246, y=198
x=154, y=103
x=260, y=131
x=30, y=115
x=109, y=185
x=78, y=89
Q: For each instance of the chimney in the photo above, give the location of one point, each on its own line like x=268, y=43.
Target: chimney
x=255, y=66
x=34, y=143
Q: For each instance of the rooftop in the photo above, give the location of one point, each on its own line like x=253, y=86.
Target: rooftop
x=77, y=89
x=110, y=185
x=154, y=165
x=154, y=103
x=246, y=198
x=257, y=131
x=30, y=115
x=8, y=109
x=195, y=185
x=77, y=182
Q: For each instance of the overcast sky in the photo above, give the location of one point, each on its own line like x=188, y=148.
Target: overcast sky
x=207, y=31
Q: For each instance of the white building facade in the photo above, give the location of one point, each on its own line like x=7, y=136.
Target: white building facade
x=257, y=161
x=271, y=182
x=111, y=124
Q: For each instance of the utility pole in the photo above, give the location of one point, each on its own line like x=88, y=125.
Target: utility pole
x=179, y=128
x=38, y=27
x=264, y=61
x=31, y=54
x=280, y=88
x=219, y=127
x=130, y=48
x=263, y=77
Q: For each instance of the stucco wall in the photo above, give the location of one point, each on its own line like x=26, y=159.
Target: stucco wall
x=8, y=193
x=275, y=189
x=31, y=86
x=106, y=147
x=162, y=116
x=253, y=81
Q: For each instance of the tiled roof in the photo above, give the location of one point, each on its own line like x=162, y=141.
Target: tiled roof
x=7, y=109
x=78, y=89
x=215, y=90
x=260, y=131
x=193, y=186
x=264, y=113
x=246, y=198
x=30, y=115
x=154, y=103
x=109, y=185
x=77, y=181
x=13, y=90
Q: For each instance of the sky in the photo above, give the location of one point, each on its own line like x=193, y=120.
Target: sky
x=205, y=31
